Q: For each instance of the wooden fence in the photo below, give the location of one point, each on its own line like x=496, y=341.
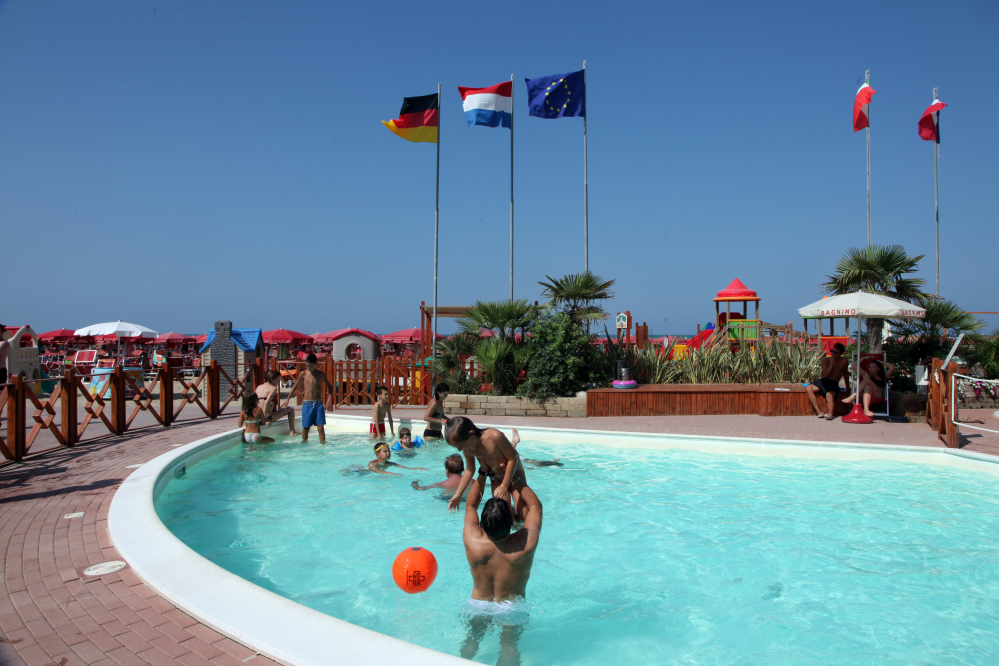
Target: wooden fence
x=690, y=399
x=114, y=407
x=941, y=403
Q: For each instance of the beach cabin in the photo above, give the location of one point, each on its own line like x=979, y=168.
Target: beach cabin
x=351, y=344
x=235, y=349
x=23, y=358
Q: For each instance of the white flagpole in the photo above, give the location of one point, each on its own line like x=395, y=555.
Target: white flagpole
x=586, y=189
x=437, y=211
x=868, y=75
x=936, y=186
x=511, y=187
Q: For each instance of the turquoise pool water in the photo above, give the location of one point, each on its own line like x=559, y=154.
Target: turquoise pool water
x=646, y=557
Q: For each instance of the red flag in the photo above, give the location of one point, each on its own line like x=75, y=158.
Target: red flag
x=929, y=124
x=860, y=114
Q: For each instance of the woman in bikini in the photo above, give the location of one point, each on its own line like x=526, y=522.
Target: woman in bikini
x=872, y=384
x=434, y=415
x=251, y=416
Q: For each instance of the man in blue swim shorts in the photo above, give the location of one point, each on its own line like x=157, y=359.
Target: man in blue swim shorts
x=313, y=414
x=500, y=564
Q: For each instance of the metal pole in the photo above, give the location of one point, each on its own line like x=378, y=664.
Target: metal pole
x=586, y=189
x=437, y=211
x=936, y=189
x=868, y=75
x=511, y=186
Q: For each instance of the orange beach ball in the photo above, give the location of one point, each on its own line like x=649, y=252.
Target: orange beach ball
x=414, y=570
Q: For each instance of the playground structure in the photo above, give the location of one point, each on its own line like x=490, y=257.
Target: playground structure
x=23, y=360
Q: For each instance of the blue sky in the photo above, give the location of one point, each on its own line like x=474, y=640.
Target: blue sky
x=171, y=164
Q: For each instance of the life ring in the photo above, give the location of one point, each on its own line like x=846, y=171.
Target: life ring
x=630, y=384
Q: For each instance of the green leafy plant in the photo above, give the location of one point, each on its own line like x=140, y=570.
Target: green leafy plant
x=983, y=353
x=503, y=318
x=881, y=270
x=561, y=360
x=579, y=294
x=449, y=364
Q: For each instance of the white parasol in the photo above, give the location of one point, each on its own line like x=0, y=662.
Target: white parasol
x=862, y=305
x=119, y=329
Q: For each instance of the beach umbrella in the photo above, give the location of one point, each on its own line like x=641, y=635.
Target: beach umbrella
x=175, y=339
x=405, y=336
x=861, y=305
x=118, y=329
x=282, y=336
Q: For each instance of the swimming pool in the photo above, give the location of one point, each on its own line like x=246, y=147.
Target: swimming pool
x=648, y=554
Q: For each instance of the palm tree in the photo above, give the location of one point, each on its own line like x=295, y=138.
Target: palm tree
x=579, y=293
x=877, y=269
x=501, y=317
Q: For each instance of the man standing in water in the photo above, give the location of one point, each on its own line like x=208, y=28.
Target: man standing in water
x=500, y=563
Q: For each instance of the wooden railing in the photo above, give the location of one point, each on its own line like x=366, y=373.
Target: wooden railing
x=941, y=403
x=116, y=405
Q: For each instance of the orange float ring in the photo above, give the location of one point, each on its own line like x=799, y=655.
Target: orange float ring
x=414, y=570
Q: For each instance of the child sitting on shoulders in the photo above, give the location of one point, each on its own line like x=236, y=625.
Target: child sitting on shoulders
x=383, y=453
x=454, y=466
x=406, y=441
x=251, y=416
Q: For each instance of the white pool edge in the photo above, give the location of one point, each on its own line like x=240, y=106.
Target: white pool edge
x=294, y=634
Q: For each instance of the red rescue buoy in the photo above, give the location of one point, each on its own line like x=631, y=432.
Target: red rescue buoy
x=414, y=570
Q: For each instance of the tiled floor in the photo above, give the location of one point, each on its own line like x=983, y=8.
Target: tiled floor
x=51, y=614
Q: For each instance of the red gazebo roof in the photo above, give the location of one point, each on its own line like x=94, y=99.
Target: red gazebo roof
x=282, y=336
x=736, y=291
x=405, y=336
x=339, y=333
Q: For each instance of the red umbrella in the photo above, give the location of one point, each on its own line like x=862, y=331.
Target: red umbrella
x=175, y=339
x=61, y=335
x=282, y=336
x=405, y=336
x=201, y=339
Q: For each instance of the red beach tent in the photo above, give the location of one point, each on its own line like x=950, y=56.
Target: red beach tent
x=60, y=335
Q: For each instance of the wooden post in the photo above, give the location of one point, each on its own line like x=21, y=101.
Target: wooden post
x=213, y=390
x=68, y=399
x=300, y=367
x=117, y=381
x=258, y=372
x=950, y=433
x=16, y=417
x=166, y=392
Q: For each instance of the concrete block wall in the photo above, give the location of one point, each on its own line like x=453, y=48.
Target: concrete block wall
x=508, y=405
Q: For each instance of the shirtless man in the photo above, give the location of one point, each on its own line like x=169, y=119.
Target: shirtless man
x=489, y=451
x=313, y=414
x=500, y=564
x=4, y=353
x=270, y=397
x=827, y=385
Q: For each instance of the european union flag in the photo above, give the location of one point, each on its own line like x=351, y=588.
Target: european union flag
x=558, y=96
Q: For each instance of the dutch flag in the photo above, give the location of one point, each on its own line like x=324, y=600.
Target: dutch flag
x=490, y=106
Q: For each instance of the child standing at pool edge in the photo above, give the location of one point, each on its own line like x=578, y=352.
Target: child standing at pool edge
x=313, y=414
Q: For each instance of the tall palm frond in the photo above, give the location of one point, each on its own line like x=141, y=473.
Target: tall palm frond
x=579, y=293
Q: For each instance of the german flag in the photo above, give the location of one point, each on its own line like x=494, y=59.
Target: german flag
x=418, y=119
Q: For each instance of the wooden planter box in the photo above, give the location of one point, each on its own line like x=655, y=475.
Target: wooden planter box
x=693, y=399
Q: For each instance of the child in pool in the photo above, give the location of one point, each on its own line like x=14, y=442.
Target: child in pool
x=406, y=441
x=491, y=453
x=383, y=453
x=379, y=411
x=251, y=416
x=454, y=467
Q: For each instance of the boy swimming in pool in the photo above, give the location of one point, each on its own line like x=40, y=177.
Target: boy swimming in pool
x=379, y=411
x=381, y=461
x=406, y=441
x=313, y=414
x=454, y=467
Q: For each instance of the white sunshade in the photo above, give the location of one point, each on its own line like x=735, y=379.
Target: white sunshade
x=119, y=328
x=862, y=304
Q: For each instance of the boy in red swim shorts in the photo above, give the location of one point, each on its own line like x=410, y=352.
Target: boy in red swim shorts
x=380, y=409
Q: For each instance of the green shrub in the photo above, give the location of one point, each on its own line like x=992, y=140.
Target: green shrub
x=561, y=360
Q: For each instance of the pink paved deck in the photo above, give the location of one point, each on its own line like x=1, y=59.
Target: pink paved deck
x=50, y=615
